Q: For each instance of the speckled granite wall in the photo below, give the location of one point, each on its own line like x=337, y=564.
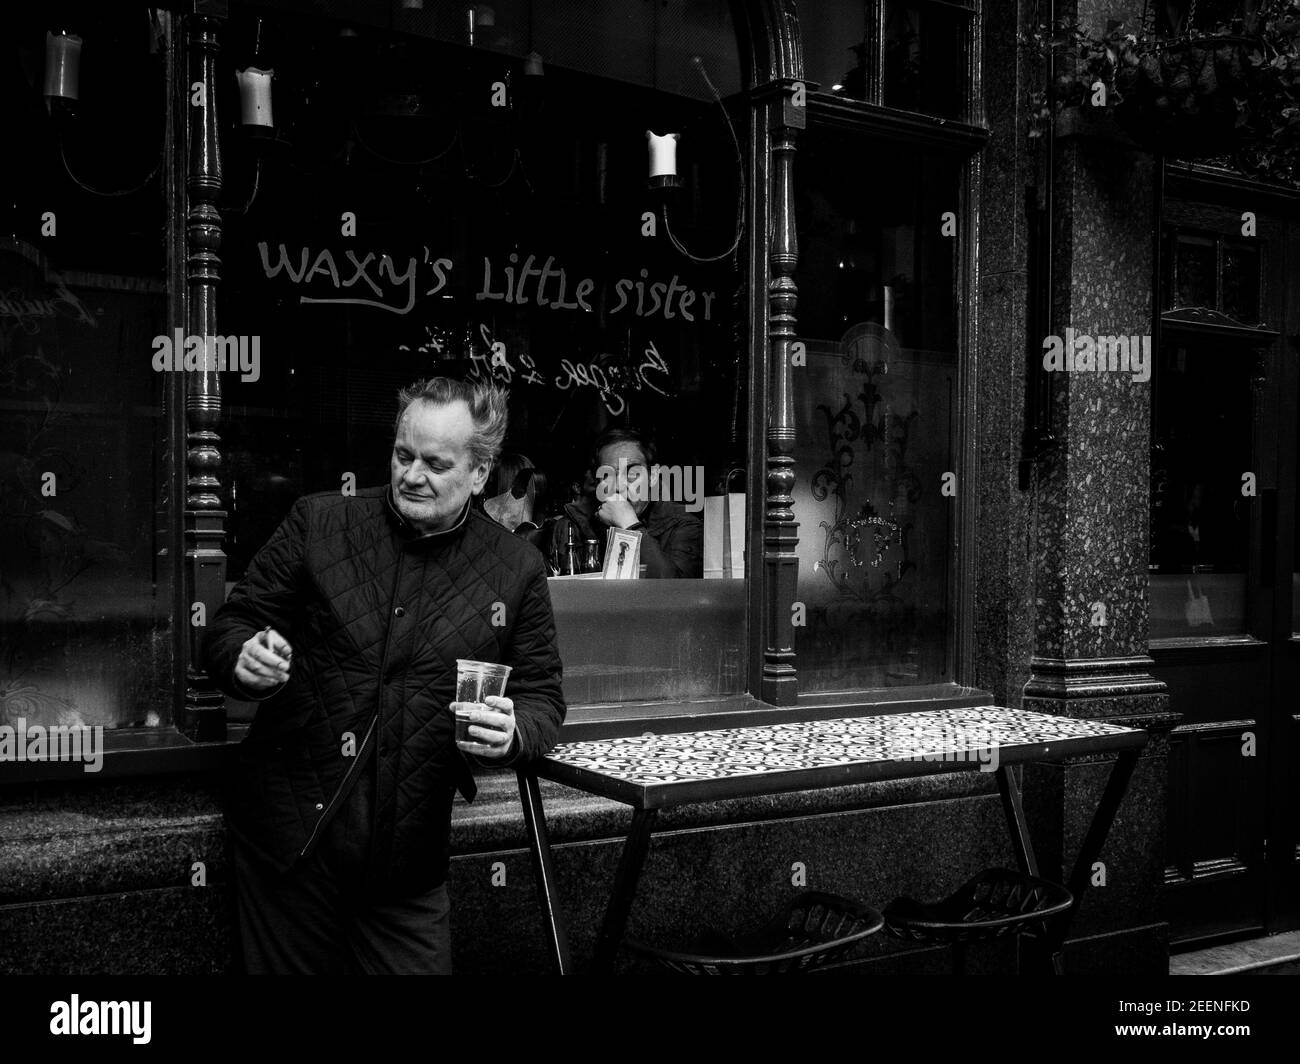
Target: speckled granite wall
x=1072, y=639
x=1004, y=540
x=97, y=879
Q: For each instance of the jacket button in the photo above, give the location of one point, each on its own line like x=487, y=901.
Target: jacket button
x=399, y=612
x=320, y=806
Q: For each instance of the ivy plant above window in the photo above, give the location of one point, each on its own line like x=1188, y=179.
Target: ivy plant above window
x=1207, y=86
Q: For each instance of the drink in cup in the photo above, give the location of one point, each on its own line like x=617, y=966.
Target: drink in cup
x=476, y=681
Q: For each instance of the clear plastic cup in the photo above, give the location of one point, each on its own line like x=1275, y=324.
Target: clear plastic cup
x=476, y=681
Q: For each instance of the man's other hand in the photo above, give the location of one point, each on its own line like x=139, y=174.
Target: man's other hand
x=492, y=726
x=264, y=660
x=617, y=512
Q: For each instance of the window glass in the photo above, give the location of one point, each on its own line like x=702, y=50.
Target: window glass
x=505, y=230
x=1241, y=283
x=85, y=573
x=926, y=47
x=835, y=52
x=1195, y=272
x=1199, y=518
x=874, y=413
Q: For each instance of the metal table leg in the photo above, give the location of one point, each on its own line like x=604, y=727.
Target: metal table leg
x=1016, y=823
x=625, y=881
x=1102, y=820
x=530, y=796
x=1018, y=828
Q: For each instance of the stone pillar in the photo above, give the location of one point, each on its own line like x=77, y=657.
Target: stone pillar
x=1091, y=497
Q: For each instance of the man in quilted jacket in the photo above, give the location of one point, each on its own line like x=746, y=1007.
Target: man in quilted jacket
x=347, y=628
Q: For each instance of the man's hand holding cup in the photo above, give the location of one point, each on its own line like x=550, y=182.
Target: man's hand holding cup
x=487, y=728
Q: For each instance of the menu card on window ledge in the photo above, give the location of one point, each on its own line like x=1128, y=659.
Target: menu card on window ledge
x=622, y=554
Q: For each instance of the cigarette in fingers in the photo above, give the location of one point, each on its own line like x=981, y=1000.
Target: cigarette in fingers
x=264, y=637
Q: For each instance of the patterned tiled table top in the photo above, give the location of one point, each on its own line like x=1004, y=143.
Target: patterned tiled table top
x=655, y=770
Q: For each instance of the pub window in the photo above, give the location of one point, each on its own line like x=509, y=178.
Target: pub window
x=875, y=413
x=1202, y=384
x=909, y=55
x=469, y=196
x=86, y=513
x=1213, y=272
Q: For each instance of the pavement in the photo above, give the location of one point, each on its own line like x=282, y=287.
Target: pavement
x=1270, y=955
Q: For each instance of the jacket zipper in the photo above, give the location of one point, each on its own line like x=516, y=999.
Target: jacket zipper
x=370, y=728
x=343, y=786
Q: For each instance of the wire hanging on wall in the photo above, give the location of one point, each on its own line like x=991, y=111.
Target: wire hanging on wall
x=740, y=174
x=115, y=192
x=62, y=87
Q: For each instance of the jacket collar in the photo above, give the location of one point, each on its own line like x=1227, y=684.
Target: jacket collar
x=412, y=535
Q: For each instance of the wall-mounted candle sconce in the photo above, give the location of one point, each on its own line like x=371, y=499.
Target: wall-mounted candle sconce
x=663, y=174
x=663, y=160
x=62, y=68
x=62, y=91
x=255, y=101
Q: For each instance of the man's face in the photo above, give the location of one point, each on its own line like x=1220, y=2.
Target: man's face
x=432, y=472
x=621, y=470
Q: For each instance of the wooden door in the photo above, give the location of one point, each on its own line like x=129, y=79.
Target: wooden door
x=1222, y=556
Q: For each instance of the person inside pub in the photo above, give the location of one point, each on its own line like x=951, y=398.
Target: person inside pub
x=627, y=491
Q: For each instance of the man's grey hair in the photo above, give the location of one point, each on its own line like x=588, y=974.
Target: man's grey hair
x=487, y=407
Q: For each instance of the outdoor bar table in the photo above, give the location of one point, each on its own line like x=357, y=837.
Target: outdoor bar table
x=652, y=772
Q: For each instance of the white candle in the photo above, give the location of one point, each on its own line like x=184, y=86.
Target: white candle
x=255, y=96
x=663, y=154
x=62, y=65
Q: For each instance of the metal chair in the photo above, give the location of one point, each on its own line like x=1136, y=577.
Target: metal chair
x=815, y=929
x=994, y=903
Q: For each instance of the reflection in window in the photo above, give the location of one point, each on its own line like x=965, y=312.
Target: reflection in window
x=1241, y=283
x=1195, y=272
x=1199, y=518
x=913, y=55
x=518, y=243
x=835, y=52
x=84, y=589
x=1216, y=273
x=874, y=415
x=925, y=57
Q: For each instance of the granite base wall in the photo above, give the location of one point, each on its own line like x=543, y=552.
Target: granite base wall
x=105, y=879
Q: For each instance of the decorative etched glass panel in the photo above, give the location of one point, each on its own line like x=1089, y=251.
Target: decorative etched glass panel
x=874, y=415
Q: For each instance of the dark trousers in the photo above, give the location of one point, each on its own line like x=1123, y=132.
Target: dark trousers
x=316, y=919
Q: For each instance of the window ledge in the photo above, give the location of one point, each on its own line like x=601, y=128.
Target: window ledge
x=141, y=752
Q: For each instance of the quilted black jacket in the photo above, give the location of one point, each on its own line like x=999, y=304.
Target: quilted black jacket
x=377, y=615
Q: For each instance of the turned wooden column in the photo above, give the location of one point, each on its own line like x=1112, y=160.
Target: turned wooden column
x=204, y=712
x=780, y=530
